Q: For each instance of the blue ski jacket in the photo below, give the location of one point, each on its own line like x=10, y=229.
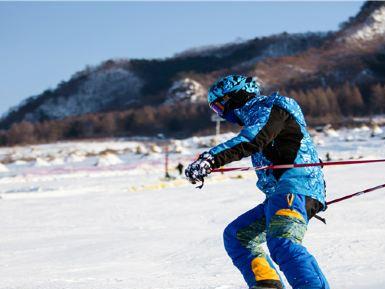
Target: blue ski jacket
x=255, y=114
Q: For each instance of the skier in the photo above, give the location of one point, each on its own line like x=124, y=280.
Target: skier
x=274, y=132
x=179, y=167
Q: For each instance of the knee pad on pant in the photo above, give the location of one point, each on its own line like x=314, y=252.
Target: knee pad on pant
x=239, y=255
x=249, y=237
x=243, y=245
x=288, y=224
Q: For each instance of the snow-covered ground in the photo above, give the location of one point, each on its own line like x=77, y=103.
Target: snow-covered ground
x=99, y=215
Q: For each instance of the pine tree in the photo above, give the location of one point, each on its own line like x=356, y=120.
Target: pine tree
x=356, y=101
x=350, y=99
x=311, y=100
x=21, y=133
x=333, y=102
x=323, y=105
x=377, y=100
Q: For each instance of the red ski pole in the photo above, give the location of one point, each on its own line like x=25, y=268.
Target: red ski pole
x=356, y=194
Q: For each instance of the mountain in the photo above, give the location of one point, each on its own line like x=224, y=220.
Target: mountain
x=354, y=54
x=121, y=84
x=296, y=63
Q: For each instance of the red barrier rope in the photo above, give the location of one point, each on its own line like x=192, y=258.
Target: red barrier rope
x=319, y=164
x=291, y=166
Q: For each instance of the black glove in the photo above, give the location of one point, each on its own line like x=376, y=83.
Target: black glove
x=198, y=170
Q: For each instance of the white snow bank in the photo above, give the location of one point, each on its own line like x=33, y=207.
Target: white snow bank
x=75, y=157
x=39, y=162
x=330, y=132
x=141, y=149
x=20, y=162
x=3, y=168
x=108, y=159
x=155, y=149
x=376, y=130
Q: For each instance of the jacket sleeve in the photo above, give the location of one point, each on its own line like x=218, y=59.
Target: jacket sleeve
x=251, y=139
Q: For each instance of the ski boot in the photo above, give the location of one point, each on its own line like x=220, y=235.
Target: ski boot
x=264, y=287
x=268, y=284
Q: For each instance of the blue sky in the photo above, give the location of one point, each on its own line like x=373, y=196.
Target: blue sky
x=43, y=43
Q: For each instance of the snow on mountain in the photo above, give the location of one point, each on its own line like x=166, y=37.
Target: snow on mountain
x=285, y=62
x=92, y=90
x=368, y=29
x=273, y=46
x=186, y=89
x=120, y=84
x=100, y=90
x=15, y=108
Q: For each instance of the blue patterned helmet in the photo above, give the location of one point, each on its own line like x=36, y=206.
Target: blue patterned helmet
x=232, y=92
x=233, y=83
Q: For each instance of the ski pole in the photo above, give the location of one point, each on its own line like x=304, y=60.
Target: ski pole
x=355, y=194
x=290, y=166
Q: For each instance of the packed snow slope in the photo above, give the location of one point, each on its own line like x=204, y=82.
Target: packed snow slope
x=98, y=215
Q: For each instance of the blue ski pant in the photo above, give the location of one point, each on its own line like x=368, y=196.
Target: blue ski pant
x=281, y=221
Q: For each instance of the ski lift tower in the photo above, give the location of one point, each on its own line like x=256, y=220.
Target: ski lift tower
x=217, y=119
x=165, y=143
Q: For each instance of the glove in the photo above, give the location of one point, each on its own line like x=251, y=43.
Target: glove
x=198, y=170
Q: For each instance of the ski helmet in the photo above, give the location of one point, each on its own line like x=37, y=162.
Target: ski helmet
x=231, y=92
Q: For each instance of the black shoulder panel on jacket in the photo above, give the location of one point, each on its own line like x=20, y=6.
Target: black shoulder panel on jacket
x=270, y=130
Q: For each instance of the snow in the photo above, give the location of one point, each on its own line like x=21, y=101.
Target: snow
x=141, y=149
x=57, y=161
x=20, y=162
x=108, y=159
x=155, y=149
x=3, y=168
x=79, y=226
x=376, y=130
x=41, y=163
x=331, y=132
x=75, y=157
x=372, y=28
x=100, y=89
x=186, y=89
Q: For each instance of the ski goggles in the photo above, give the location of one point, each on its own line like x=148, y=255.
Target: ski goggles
x=219, y=106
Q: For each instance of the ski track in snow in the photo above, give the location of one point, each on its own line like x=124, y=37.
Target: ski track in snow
x=89, y=229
